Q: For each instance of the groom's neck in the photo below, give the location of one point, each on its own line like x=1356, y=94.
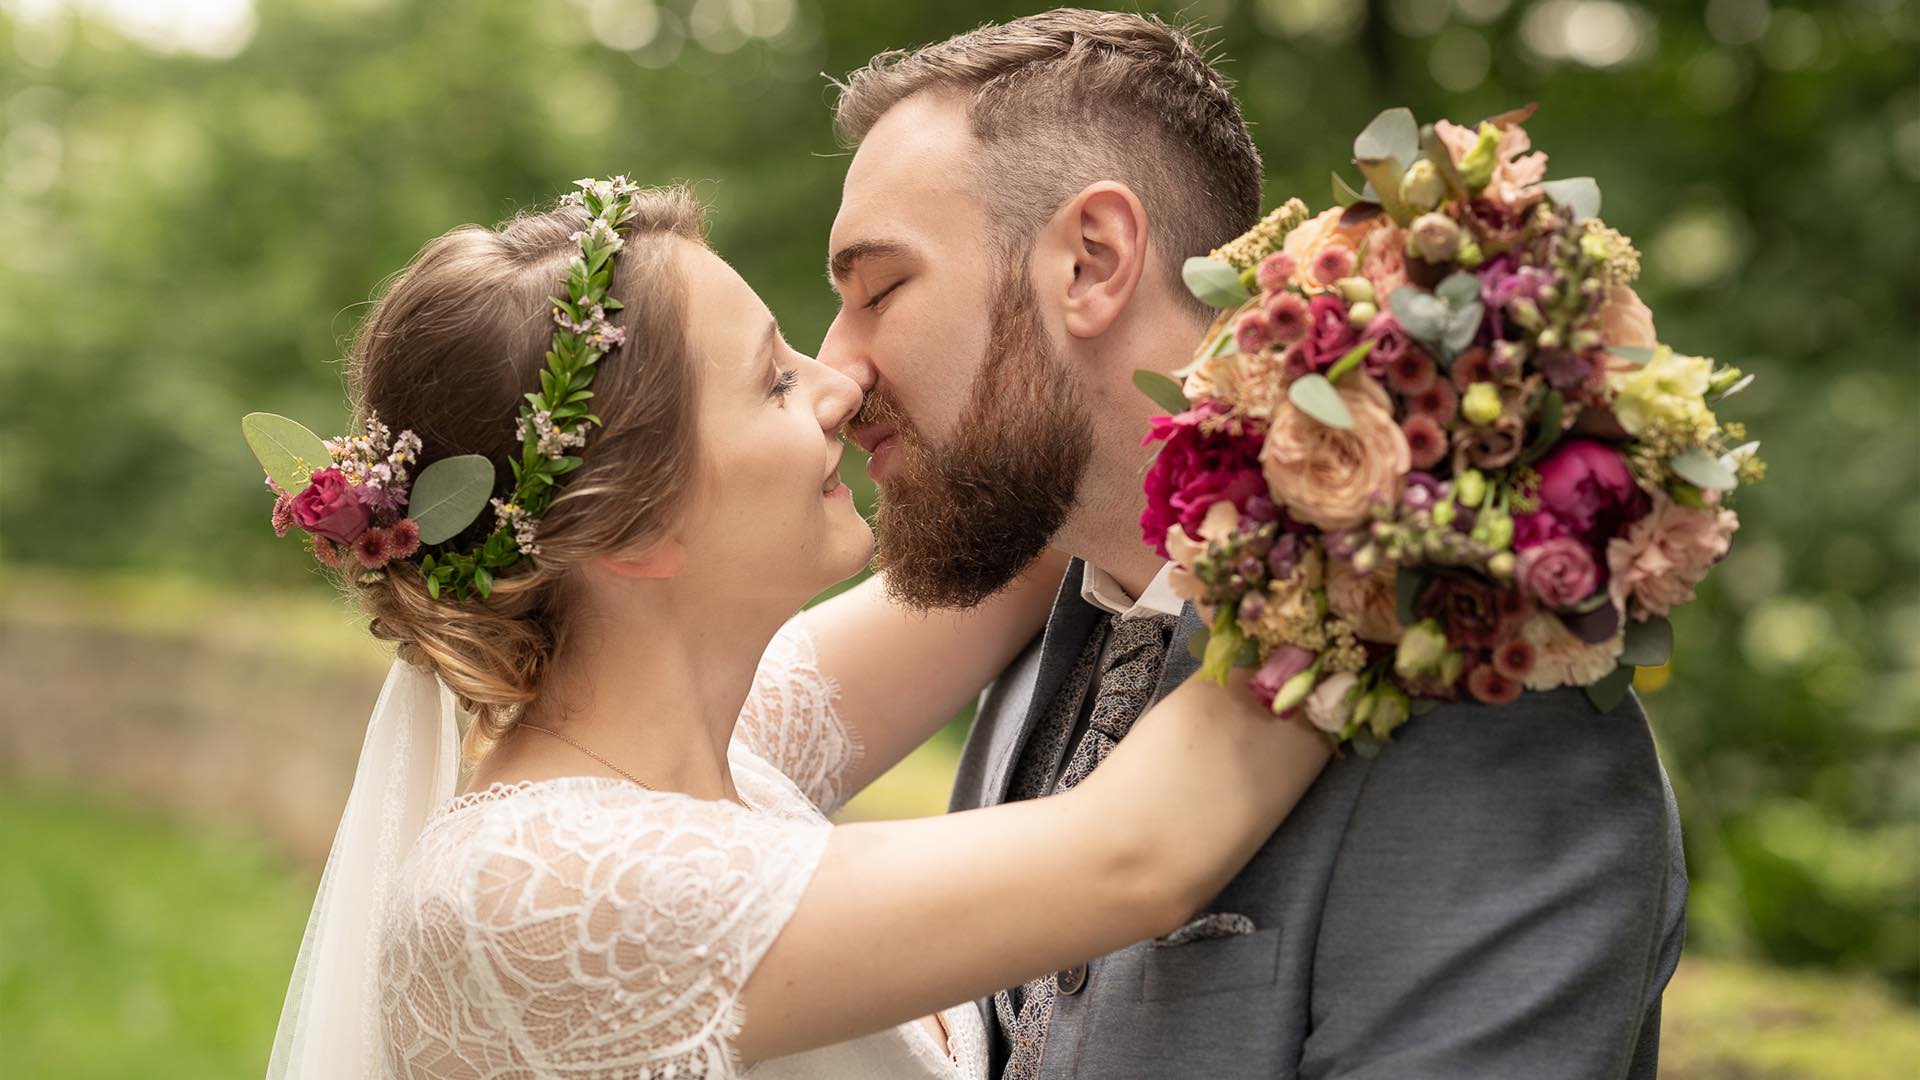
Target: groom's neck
x=1104, y=528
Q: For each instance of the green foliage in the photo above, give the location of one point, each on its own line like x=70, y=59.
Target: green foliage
x=1766, y=171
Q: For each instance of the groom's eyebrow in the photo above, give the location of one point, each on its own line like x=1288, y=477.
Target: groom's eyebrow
x=840, y=265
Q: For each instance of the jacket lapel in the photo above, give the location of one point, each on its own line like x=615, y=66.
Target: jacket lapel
x=1180, y=664
x=1066, y=634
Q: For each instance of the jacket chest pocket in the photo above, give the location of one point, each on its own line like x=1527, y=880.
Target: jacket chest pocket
x=1210, y=966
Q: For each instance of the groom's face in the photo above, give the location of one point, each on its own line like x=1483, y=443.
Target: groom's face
x=978, y=435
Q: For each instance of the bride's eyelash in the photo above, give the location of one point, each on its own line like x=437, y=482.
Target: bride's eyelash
x=784, y=385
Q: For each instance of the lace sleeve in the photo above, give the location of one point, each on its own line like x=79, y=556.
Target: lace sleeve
x=576, y=930
x=790, y=719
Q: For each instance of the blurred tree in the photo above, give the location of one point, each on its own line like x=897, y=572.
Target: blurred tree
x=189, y=237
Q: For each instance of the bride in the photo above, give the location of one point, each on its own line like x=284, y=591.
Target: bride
x=640, y=879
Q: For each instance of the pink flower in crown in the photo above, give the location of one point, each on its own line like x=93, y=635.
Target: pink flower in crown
x=1194, y=470
x=330, y=507
x=1275, y=271
x=1586, y=492
x=1334, y=262
x=1665, y=554
x=403, y=539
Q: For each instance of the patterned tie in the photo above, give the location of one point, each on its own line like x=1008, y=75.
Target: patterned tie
x=1127, y=680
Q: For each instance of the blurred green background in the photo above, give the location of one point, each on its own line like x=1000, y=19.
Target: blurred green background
x=197, y=197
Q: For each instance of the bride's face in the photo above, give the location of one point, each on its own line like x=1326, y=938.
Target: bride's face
x=769, y=515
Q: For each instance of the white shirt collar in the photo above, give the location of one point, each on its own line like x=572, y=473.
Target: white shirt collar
x=1097, y=587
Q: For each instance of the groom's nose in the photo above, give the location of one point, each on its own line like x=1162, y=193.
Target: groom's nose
x=841, y=351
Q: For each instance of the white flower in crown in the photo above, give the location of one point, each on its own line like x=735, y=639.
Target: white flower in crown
x=511, y=516
x=553, y=442
x=601, y=234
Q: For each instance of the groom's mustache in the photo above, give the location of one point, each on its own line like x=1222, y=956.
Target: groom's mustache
x=877, y=411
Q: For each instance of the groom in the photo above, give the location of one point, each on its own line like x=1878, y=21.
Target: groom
x=1498, y=894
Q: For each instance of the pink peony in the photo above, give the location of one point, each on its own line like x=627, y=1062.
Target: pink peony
x=1328, y=477
x=1194, y=470
x=1287, y=318
x=1281, y=665
x=1559, y=572
x=1330, y=334
x=1368, y=602
x=1586, y=492
x=329, y=508
x=1665, y=554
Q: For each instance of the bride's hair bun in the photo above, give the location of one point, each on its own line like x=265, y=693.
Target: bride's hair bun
x=447, y=352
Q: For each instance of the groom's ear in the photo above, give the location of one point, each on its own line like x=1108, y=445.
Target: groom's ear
x=657, y=561
x=1105, y=232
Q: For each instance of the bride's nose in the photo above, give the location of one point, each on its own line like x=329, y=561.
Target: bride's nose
x=837, y=399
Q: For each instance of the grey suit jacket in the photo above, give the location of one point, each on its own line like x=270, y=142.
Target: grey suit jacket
x=1500, y=893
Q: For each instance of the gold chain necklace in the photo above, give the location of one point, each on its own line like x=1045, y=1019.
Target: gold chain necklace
x=570, y=741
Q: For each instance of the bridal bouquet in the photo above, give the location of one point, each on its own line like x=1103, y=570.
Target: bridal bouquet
x=1432, y=449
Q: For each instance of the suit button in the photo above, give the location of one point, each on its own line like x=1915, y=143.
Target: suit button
x=1070, y=981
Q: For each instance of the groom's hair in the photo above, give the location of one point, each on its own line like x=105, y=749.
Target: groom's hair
x=1068, y=97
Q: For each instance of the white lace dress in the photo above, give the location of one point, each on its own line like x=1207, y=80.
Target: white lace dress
x=586, y=927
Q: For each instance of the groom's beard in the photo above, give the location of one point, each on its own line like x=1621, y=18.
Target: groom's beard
x=957, y=521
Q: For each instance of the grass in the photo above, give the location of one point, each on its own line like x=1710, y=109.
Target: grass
x=135, y=946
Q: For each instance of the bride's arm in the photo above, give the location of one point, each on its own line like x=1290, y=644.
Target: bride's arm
x=904, y=918
x=902, y=675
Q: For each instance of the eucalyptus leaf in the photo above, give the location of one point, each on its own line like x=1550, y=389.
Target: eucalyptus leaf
x=1164, y=391
x=1215, y=283
x=1633, y=354
x=1609, y=691
x=1462, y=324
x=1316, y=397
x=1459, y=289
x=1702, y=470
x=1732, y=458
x=1436, y=152
x=1392, y=134
x=448, y=495
x=1343, y=192
x=1581, y=193
x=1647, y=644
x=286, y=450
x=1420, y=313
x=1383, y=178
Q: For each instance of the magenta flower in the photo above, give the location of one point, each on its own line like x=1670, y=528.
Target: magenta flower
x=329, y=507
x=1586, y=492
x=1195, y=470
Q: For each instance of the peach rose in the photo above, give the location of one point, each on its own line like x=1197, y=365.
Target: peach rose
x=1328, y=477
x=1307, y=242
x=1369, y=601
x=1665, y=554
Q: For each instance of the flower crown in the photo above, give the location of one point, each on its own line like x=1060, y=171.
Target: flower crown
x=362, y=509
